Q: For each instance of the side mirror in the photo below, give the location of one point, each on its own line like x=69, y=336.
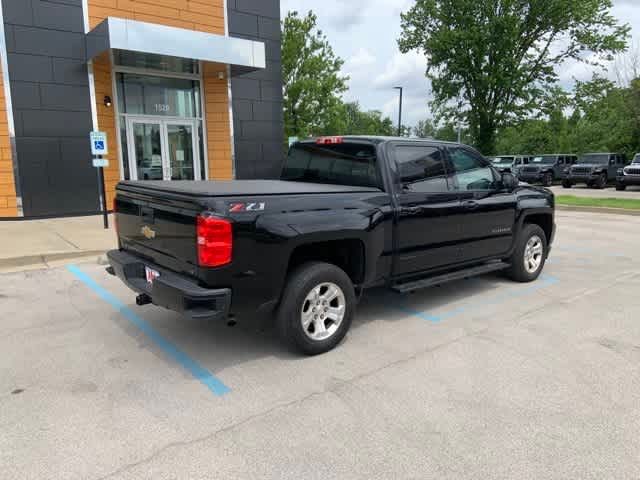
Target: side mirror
x=509, y=181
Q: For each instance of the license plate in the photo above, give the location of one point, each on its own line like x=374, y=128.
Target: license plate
x=151, y=274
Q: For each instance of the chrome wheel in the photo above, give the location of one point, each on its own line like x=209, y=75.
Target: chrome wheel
x=533, y=252
x=323, y=311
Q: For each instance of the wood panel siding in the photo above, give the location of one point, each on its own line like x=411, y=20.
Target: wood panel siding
x=8, y=201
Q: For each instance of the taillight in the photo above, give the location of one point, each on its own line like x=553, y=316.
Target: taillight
x=215, y=241
x=330, y=140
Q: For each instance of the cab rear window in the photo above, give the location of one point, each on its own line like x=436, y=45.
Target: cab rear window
x=342, y=164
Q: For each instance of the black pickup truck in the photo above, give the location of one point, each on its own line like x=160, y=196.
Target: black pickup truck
x=348, y=213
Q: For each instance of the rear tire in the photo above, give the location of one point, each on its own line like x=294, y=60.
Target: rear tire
x=566, y=184
x=547, y=180
x=317, y=308
x=530, y=254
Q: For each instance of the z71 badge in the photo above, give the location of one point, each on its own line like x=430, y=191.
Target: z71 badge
x=246, y=207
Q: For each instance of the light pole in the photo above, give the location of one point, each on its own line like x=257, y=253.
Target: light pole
x=400, y=113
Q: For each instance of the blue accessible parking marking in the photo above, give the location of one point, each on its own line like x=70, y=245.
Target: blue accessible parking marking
x=193, y=367
x=546, y=281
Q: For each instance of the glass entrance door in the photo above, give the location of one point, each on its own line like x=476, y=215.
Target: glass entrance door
x=163, y=149
x=180, y=142
x=147, y=150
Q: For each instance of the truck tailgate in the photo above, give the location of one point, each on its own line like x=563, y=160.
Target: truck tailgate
x=159, y=228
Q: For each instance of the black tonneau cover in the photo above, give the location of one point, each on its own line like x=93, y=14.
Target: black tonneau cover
x=237, y=188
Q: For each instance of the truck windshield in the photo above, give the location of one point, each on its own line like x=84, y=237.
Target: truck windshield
x=636, y=159
x=341, y=164
x=545, y=160
x=595, y=158
x=503, y=160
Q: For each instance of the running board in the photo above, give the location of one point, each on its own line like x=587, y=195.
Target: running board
x=449, y=277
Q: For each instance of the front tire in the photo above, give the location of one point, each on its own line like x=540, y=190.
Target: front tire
x=601, y=182
x=566, y=184
x=317, y=308
x=547, y=180
x=620, y=187
x=530, y=254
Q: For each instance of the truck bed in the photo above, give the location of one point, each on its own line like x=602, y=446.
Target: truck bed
x=236, y=188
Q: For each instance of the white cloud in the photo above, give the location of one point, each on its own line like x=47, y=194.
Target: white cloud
x=404, y=70
x=414, y=108
x=363, y=58
x=342, y=15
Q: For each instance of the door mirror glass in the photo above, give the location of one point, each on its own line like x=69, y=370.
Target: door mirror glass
x=509, y=181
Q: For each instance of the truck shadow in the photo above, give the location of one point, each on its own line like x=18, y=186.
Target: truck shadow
x=429, y=301
x=218, y=347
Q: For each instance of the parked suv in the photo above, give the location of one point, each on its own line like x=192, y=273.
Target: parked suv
x=629, y=175
x=547, y=168
x=510, y=163
x=595, y=169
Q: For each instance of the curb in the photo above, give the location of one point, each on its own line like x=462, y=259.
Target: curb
x=606, y=210
x=45, y=260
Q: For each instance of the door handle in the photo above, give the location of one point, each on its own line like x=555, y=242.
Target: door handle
x=470, y=205
x=412, y=211
x=147, y=215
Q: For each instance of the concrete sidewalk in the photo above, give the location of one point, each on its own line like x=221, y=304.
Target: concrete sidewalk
x=34, y=244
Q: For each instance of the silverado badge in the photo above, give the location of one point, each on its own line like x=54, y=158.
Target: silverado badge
x=148, y=233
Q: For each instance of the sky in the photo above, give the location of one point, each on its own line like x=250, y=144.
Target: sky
x=364, y=33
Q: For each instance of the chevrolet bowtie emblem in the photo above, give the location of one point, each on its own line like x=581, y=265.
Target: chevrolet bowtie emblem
x=148, y=233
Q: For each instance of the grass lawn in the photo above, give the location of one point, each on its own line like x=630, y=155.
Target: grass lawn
x=571, y=201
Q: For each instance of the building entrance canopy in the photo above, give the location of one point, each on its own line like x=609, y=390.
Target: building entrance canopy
x=242, y=55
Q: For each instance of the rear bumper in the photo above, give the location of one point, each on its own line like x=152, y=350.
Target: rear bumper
x=171, y=290
x=629, y=180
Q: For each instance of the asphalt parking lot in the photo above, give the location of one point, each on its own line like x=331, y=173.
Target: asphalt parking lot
x=482, y=378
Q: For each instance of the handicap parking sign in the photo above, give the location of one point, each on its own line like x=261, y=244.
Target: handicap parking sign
x=99, y=143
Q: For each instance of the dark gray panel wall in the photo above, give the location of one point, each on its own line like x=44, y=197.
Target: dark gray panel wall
x=257, y=97
x=51, y=106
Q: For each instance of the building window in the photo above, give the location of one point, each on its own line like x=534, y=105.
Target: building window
x=149, y=95
x=161, y=63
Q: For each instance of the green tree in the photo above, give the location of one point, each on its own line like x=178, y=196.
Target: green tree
x=607, y=120
x=313, y=85
x=605, y=117
x=425, y=129
x=528, y=137
x=359, y=122
x=490, y=61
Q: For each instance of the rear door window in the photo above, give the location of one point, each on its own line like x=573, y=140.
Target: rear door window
x=421, y=169
x=341, y=164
